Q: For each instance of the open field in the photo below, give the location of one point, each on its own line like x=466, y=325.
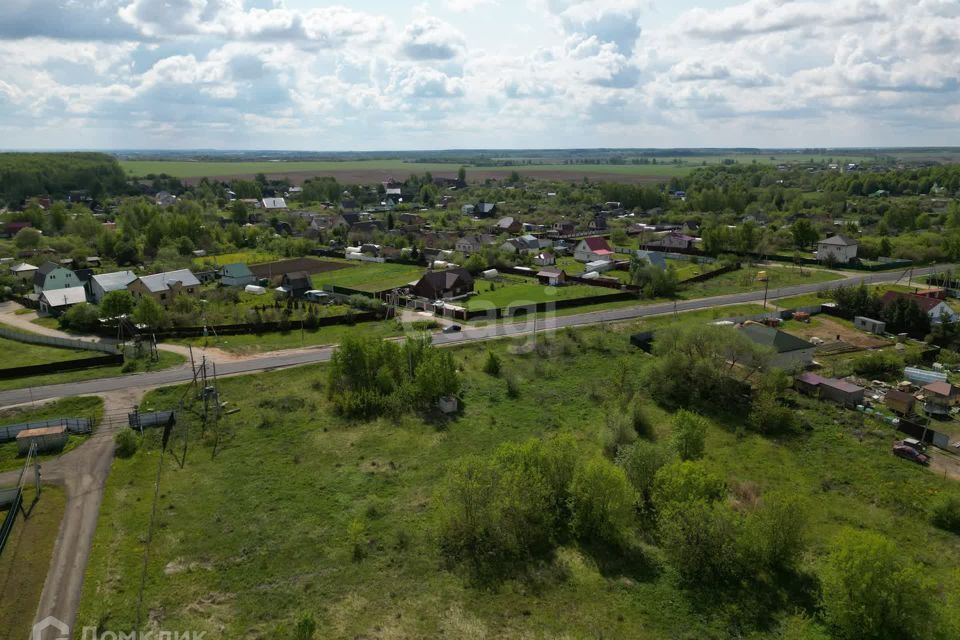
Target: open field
x=276, y=340
x=315, y=488
x=745, y=279
x=248, y=257
x=22, y=354
x=369, y=276
x=167, y=360
x=517, y=290
x=312, y=266
x=82, y=407
x=25, y=560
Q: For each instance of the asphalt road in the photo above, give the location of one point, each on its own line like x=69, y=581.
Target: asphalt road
x=495, y=330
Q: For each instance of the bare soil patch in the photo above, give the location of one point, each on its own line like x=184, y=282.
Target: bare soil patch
x=829, y=330
x=311, y=266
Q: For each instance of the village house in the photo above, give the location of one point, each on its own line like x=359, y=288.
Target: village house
x=485, y=210
x=675, y=240
x=507, y=225
x=468, y=245
x=544, y=259
x=936, y=309
x=837, y=249
x=295, y=284
x=789, y=351
x=52, y=276
x=593, y=249
x=832, y=389
x=899, y=402
x=23, y=272
x=444, y=285
x=236, y=274
x=564, y=227
x=103, y=283
x=940, y=397
x=57, y=301
x=274, y=204
x=164, y=287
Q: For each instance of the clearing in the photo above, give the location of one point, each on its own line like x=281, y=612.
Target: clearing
x=370, y=276
x=509, y=291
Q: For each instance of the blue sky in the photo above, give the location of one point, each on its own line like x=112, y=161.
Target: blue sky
x=437, y=74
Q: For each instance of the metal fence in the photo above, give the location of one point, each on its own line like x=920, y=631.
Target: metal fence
x=33, y=338
x=73, y=425
x=10, y=518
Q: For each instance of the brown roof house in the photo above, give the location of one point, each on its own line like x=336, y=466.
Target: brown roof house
x=940, y=397
x=436, y=285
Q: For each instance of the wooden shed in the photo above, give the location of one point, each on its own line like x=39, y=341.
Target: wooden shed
x=47, y=439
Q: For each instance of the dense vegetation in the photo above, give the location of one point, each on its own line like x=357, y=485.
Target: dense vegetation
x=24, y=175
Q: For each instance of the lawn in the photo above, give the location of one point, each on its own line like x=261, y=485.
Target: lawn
x=22, y=354
x=746, y=279
x=26, y=559
x=249, y=256
x=294, y=339
x=509, y=291
x=80, y=407
x=370, y=276
x=313, y=487
x=167, y=360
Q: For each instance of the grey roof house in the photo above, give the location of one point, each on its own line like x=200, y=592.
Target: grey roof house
x=103, y=283
x=237, y=274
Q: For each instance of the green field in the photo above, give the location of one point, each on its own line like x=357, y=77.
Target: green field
x=665, y=167
x=26, y=560
x=22, y=354
x=746, y=279
x=509, y=291
x=369, y=276
x=248, y=257
x=294, y=339
x=80, y=407
x=265, y=533
x=167, y=360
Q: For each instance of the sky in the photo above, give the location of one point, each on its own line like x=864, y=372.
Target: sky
x=448, y=74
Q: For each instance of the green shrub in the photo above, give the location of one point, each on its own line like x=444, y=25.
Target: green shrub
x=886, y=365
x=945, y=512
x=126, y=443
x=689, y=435
x=601, y=502
x=769, y=416
x=641, y=461
x=492, y=364
x=82, y=318
x=513, y=387
x=305, y=629
x=684, y=481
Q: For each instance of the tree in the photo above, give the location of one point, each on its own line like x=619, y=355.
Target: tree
x=238, y=212
x=689, y=434
x=27, y=238
x=149, y=313
x=601, y=502
x=869, y=590
x=462, y=174
x=640, y=462
x=699, y=539
x=116, y=303
x=81, y=317
x=803, y=233
x=683, y=481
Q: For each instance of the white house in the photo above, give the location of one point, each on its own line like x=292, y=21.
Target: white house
x=56, y=301
x=274, y=204
x=837, y=249
x=593, y=249
x=103, y=283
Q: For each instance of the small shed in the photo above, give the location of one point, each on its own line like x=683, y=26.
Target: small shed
x=870, y=325
x=841, y=392
x=47, y=439
x=551, y=276
x=899, y=402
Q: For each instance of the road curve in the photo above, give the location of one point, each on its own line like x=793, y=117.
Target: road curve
x=497, y=330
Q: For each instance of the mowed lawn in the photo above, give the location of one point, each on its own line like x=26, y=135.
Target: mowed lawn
x=22, y=354
x=513, y=291
x=249, y=542
x=747, y=279
x=370, y=276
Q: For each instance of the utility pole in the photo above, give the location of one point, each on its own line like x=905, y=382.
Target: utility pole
x=766, y=288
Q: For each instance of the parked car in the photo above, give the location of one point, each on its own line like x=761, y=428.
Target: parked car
x=453, y=328
x=909, y=453
x=914, y=443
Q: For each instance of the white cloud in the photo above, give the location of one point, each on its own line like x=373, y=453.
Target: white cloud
x=432, y=39
x=466, y=6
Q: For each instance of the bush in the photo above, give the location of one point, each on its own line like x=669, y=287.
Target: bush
x=945, y=513
x=885, y=365
x=492, y=365
x=684, y=481
x=689, y=435
x=82, y=318
x=513, y=387
x=640, y=461
x=126, y=443
x=769, y=416
x=870, y=590
x=601, y=502
x=699, y=538
x=641, y=422
x=616, y=432
x=305, y=629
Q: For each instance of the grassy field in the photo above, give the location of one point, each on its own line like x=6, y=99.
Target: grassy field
x=294, y=339
x=665, y=167
x=25, y=560
x=22, y=354
x=254, y=561
x=745, y=279
x=250, y=256
x=370, y=276
x=81, y=407
x=517, y=290
x=167, y=360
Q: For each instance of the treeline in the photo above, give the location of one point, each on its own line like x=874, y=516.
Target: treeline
x=24, y=175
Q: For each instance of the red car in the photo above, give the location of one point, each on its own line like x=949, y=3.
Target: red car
x=909, y=453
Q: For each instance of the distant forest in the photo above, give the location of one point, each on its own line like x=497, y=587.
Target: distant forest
x=23, y=175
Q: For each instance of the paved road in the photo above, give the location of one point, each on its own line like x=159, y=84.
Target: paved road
x=495, y=330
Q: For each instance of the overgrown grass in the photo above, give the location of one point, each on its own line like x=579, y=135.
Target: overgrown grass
x=79, y=407
x=26, y=559
x=517, y=290
x=746, y=279
x=266, y=532
x=22, y=354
